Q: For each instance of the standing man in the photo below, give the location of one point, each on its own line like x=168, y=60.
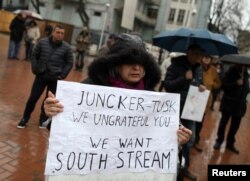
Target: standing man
x=17, y=29
x=82, y=45
x=235, y=86
x=184, y=71
x=52, y=60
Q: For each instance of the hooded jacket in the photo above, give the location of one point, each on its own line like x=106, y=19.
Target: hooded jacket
x=124, y=52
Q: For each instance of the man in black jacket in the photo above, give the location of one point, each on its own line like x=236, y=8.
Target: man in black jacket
x=235, y=86
x=184, y=71
x=52, y=60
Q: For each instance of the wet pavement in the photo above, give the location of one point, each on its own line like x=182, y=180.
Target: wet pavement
x=23, y=151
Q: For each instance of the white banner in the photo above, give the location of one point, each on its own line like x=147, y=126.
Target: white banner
x=195, y=104
x=112, y=130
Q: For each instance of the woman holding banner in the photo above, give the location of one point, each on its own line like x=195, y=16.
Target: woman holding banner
x=127, y=65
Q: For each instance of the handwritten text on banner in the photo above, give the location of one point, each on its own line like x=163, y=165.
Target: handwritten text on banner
x=112, y=130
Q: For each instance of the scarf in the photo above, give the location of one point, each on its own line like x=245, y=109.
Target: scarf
x=121, y=84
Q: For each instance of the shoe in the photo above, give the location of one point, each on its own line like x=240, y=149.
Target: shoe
x=217, y=146
x=41, y=125
x=233, y=149
x=189, y=175
x=22, y=123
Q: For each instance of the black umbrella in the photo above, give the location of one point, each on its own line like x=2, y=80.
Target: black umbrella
x=236, y=59
x=178, y=41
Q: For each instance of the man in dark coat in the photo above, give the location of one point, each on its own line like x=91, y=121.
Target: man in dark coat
x=17, y=29
x=184, y=71
x=235, y=85
x=52, y=60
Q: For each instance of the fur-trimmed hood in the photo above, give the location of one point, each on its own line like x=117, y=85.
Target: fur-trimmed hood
x=124, y=53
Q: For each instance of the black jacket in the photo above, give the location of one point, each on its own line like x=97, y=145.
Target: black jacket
x=16, y=29
x=175, y=80
x=234, y=97
x=50, y=59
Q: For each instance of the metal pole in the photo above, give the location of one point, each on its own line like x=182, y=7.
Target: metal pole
x=104, y=24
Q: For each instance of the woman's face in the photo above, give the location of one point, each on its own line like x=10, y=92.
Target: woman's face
x=131, y=73
x=206, y=60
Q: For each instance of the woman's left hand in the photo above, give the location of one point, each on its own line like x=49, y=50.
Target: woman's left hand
x=184, y=135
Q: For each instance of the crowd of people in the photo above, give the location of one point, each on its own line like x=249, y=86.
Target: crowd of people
x=124, y=62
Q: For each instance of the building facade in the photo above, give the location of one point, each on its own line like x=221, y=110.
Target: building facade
x=146, y=17
x=184, y=13
x=14, y=4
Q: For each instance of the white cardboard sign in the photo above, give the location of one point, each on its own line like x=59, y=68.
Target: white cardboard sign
x=105, y=130
x=195, y=104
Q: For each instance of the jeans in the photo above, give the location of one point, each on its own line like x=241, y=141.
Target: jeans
x=13, y=49
x=38, y=87
x=186, y=148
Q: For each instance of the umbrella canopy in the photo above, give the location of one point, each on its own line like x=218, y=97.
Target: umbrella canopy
x=236, y=59
x=29, y=14
x=179, y=40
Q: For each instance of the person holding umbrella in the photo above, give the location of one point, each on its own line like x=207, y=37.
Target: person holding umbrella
x=184, y=71
x=17, y=29
x=235, y=85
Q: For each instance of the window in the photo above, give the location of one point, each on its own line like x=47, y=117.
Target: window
x=97, y=13
x=152, y=13
x=181, y=16
x=57, y=6
x=42, y=3
x=171, y=15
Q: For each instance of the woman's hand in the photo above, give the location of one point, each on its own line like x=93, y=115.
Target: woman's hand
x=184, y=135
x=52, y=106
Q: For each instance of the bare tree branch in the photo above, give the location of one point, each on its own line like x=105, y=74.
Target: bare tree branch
x=226, y=17
x=36, y=5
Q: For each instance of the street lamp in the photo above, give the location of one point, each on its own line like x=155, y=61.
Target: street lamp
x=104, y=24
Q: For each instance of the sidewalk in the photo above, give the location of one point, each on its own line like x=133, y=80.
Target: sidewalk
x=23, y=151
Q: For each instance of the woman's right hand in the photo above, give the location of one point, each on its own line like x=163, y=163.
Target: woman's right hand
x=52, y=106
